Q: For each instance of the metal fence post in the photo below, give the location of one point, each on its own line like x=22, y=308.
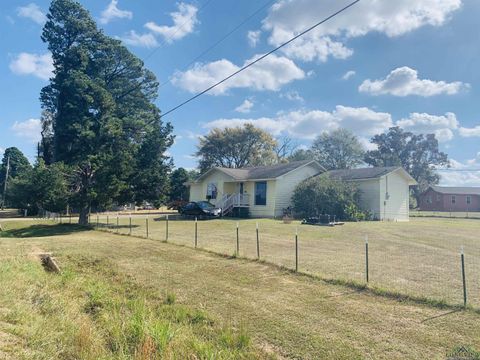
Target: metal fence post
x=196, y=232
x=238, y=241
x=462, y=256
x=130, y=226
x=366, y=257
x=146, y=223
x=296, y=249
x=258, y=243
x=166, y=230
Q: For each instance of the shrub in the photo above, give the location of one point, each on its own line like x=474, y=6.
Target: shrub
x=323, y=195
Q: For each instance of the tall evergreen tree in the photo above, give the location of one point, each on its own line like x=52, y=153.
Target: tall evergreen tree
x=103, y=118
x=18, y=165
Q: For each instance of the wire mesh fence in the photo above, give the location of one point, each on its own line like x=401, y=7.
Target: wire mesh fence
x=420, y=258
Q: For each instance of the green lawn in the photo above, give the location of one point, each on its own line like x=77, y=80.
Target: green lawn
x=419, y=258
x=124, y=298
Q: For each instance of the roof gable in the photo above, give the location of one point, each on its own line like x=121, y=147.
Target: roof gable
x=369, y=173
x=262, y=172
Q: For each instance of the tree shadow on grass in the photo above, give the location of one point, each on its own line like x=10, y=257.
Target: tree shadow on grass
x=43, y=231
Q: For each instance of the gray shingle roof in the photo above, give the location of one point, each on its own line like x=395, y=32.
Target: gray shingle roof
x=457, y=190
x=361, y=174
x=263, y=172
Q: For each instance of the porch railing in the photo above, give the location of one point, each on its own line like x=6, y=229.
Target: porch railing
x=230, y=201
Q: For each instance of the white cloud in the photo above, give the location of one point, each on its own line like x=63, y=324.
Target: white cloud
x=253, y=37
x=40, y=66
x=2, y=150
x=147, y=40
x=459, y=174
x=470, y=132
x=442, y=126
x=191, y=135
x=32, y=12
x=269, y=74
x=404, y=81
x=348, y=75
x=184, y=21
x=113, y=12
x=287, y=18
x=29, y=129
x=307, y=124
x=245, y=107
x=292, y=96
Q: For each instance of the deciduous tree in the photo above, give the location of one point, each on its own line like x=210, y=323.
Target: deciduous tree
x=418, y=154
x=236, y=147
x=339, y=149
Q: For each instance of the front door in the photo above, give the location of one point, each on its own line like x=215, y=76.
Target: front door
x=240, y=188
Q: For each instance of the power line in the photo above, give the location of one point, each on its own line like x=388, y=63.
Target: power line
x=261, y=57
x=455, y=170
x=223, y=38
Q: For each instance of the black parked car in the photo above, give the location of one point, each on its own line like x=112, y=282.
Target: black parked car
x=200, y=209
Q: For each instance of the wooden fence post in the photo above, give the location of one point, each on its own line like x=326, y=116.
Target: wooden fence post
x=130, y=226
x=118, y=225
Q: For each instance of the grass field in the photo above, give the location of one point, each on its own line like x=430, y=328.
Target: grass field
x=447, y=214
x=120, y=297
x=420, y=258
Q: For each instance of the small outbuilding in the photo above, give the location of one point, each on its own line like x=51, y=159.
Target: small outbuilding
x=385, y=191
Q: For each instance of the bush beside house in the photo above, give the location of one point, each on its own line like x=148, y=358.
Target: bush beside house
x=323, y=195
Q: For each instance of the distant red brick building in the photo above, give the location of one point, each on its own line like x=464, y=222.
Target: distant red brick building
x=444, y=198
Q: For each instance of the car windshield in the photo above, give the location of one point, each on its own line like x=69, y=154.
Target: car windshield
x=205, y=205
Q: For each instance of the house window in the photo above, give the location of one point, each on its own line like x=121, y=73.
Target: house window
x=469, y=200
x=454, y=199
x=212, y=191
x=261, y=193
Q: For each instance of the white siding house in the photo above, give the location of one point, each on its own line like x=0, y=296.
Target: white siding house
x=385, y=191
x=264, y=190
x=267, y=190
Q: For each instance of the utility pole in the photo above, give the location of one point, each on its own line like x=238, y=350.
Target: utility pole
x=5, y=184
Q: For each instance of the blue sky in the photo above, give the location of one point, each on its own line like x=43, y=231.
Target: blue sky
x=412, y=63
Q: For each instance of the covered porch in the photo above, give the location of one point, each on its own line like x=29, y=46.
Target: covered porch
x=235, y=195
